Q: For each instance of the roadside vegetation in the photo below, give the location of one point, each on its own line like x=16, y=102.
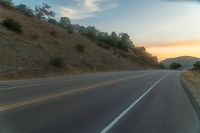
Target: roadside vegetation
x=191, y=79
x=47, y=45
x=12, y=25
x=197, y=66
x=121, y=41
x=175, y=66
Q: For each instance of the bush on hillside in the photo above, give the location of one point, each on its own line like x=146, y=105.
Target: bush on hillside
x=35, y=36
x=197, y=65
x=26, y=10
x=70, y=31
x=53, y=33
x=80, y=48
x=175, y=66
x=103, y=45
x=12, y=25
x=53, y=21
x=6, y=3
x=161, y=65
x=122, y=47
x=57, y=62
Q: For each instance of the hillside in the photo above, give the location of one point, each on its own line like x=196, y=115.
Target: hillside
x=29, y=54
x=185, y=61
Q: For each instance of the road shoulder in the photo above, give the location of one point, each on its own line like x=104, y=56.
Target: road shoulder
x=191, y=84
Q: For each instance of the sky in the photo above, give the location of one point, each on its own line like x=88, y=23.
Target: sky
x=167, y=28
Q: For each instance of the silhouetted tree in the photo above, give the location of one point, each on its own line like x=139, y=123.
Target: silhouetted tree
x=44, y=12
x=6, y=3
x=197, y=65
x=175, y=65
x=24, y=9
x=52, y=21
x=162, y=65
x=65, y=21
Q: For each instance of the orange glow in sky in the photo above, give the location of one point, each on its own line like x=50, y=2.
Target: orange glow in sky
x=175, y=49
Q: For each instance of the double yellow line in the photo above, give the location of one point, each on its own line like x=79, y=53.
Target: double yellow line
x=28, y=102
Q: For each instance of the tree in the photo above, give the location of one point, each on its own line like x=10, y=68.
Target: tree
x=197, y=65
x=125, y=43
x=53, y=21
x=162, y=65
x=24, y=9
x=65, y=21
x=114, y=35
x=175, y=66
x=44, y=12
x=6, y=3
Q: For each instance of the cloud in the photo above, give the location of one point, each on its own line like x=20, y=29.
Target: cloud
x=85, y=8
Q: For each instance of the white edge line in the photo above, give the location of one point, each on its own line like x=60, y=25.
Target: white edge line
x=109, y=126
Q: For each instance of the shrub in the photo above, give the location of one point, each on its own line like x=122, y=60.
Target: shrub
x=70, y=31
x=7, y=3
x=197, y=65
x=122, y=47
x=103, y=45
x=34, y=36
x=80, y=48
x=26, y=10
x=53, y=21
x=53, y=33
x=161, y=65
x=12, y=25
x=57, y=62
x=175, y=65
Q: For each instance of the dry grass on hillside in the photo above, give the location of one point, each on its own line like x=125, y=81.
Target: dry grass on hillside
x=29, y=53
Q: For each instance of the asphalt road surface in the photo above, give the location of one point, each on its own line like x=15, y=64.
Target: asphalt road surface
x=116, y=102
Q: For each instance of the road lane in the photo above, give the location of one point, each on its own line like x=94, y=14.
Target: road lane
x=164, y=110
x=90, y=111
x=13, y=95
x=120, y=116
x=19, y=84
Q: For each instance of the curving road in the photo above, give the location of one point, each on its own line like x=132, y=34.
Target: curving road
x=116, y=102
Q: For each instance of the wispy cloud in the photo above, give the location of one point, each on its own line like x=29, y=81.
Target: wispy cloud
x=85, y=8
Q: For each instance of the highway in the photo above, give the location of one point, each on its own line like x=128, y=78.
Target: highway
x=151, y=101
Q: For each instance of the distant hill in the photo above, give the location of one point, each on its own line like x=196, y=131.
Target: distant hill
x=185, y=61
x=42, y=46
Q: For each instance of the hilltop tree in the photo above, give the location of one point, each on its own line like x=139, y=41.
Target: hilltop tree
x=162, y=65
x=53, y=21
x=175, y=66
x=24, y=9
x=65, y=21
x=6, y=3
x=44, y=12
x=197, y=65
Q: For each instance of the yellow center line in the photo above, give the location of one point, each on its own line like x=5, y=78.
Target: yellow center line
x=44, y=98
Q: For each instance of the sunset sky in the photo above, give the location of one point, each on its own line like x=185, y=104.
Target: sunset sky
x=167, y=28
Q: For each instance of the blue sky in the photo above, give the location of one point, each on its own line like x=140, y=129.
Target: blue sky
x=146, y=21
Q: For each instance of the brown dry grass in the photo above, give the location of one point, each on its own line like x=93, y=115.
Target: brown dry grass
x=28, y=54
x=192, y=79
